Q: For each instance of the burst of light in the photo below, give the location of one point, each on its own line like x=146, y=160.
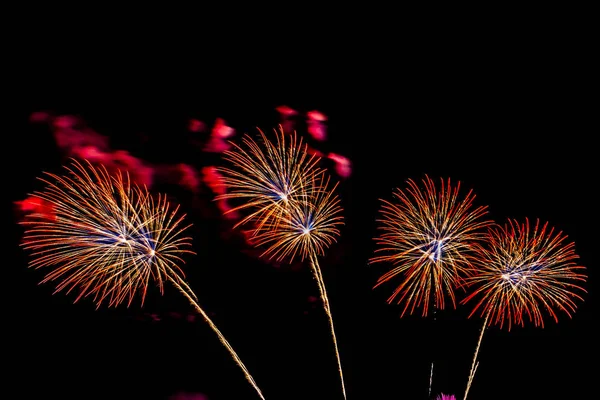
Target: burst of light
x=524, y=270
x=428, y=235
x=265, y=175
x=308, y=226
x=103, y=232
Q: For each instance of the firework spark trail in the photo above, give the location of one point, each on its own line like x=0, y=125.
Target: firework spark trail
x=318, y=275
x=429, y=236
x=109, y=238
x=294, y=212
x=522, y=271
x=191, y=298
x=475, y=363
x=430, y=379
x=432, y=362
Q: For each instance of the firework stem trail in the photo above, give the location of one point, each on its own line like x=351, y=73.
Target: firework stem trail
x=224, y=341
x=319, y=276
x=475, y=364
x=430, y=379
x=432, y=362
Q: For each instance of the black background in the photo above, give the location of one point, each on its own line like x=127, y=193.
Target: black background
x=513, y=129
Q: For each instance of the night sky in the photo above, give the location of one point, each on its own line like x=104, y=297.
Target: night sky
x=515, y=135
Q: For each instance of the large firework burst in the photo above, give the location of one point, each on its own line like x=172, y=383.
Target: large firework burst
x=429, y=236
x=108, y=239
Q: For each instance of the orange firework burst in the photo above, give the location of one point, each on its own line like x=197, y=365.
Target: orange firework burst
x=523, y=271
x=429, y=236
x=109, y=238
x=267, y=175
x=520, y=272
x=290, y=203
x=308, y=226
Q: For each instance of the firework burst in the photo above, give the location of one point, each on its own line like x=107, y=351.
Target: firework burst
x=266, y=175
x=308, y=226
x=290, y=202
x=429, y=236
x=110, y=239
x=522, y=271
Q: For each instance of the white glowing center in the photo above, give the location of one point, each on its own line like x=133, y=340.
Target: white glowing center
x=435, y=253
x=513, y=277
